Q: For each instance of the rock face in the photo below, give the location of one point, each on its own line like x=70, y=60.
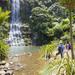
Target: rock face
x=26, y=34
x=4, y=4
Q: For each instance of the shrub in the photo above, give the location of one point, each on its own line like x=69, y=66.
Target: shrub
x=65, y=38
x=58, y=31
x=66, y=28
x=65, y=25
x=4, y=26
x=47, y=49
x=65, y=21
x=3, y=50
x=66, y=66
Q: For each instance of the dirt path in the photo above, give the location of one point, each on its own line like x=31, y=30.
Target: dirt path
x=32, y=64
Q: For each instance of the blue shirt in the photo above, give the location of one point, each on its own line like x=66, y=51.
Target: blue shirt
x=61, y=46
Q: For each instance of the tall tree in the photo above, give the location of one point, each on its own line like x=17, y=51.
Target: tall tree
x=41, y=24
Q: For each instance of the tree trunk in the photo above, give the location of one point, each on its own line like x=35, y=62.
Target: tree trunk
x=71, y=33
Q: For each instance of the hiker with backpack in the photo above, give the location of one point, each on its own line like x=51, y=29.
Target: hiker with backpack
x=68, y=46
x=60, y=49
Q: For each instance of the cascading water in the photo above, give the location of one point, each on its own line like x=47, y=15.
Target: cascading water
x=15, y=36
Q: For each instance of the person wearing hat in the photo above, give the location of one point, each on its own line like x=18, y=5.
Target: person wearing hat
x=60, y=49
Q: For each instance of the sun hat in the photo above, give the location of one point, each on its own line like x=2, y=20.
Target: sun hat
x=60, y=42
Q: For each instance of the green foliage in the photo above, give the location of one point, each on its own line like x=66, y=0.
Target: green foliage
x=47, y=49
x=61, y=28
x=65, y=21
x=58, y=31
x=74, y=34
x=40, y=3
x=65, y=38
x=50, y=32
x=41, y=20
x=44, y=21
x=3, y=50
x=29, y=5
x=59, y=67
x=41, y=23
x=65, y=25
x=4, y=15
x=66, y=28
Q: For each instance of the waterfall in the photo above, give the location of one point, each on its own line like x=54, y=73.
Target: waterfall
x=15, y=11
x=15, y=33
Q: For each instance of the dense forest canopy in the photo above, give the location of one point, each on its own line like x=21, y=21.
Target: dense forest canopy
x=47, y=19
x=52, y=6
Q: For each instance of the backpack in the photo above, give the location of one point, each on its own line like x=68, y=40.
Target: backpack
x=69, y=46
x=60, y=49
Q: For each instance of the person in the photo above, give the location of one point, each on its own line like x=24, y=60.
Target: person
x=68, y=46
x=60, y=49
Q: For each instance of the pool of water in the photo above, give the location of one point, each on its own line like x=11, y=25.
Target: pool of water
x=21, y=49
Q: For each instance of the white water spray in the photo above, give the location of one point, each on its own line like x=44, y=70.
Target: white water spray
x=15, y=36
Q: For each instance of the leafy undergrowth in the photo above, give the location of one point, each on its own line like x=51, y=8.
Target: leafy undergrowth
x=65, y=66
x=47, y=50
